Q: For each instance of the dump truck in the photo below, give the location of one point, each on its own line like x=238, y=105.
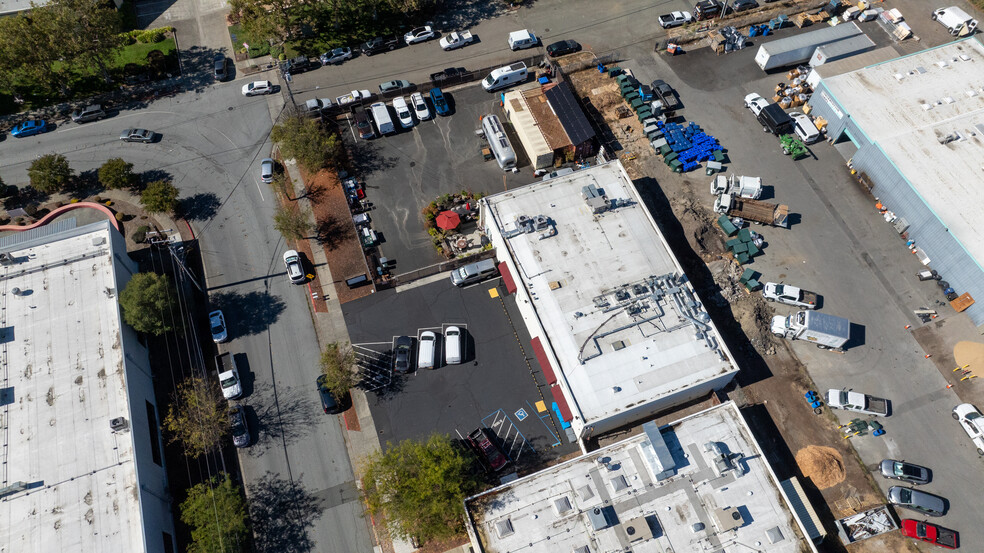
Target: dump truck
x=826, y=331
x=790, y=295
x=225, y=366
x=799, y=49
x=755, y=211
x=745, y=187
x=857, y=402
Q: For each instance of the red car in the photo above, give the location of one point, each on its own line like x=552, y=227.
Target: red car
x=929, y=532
x=489, y=453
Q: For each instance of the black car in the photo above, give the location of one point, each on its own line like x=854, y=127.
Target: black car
x=328, y=401
x=401, y=354
x=220, y=71
x=300, y=64
x=381, y=44
x=448, y=74
x=742, y=5
x=707, y=9
x=563, y=48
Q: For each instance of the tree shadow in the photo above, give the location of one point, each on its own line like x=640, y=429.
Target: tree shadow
x=150, y=176
x=365, y=155
x=200, y=207
x=249, y=313
x=86, y=183
x=286, y=416
x=282, y=512
x=330, y=232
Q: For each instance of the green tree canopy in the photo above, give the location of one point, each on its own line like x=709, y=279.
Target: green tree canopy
x=306, y=141
x=116, y=173
x=160, y=196
x=149, y=304
x=338, y=366
x=420, y=487
x=50, y=173
x=199, y=416
x=292, y=223
x=216, y=512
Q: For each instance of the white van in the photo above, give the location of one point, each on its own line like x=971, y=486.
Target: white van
x=505, y=76
x=380, y=114
x=955, y=20
x=452, y=345
x=426, y=345
x=519, y=40
x=474, y=272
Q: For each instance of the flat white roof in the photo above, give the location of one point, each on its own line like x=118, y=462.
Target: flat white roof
x=614, y=304
x=64, y=378
x=679, y=495
x=910, y=106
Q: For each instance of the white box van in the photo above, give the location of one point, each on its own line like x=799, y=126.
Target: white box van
x=474, y=272
x=452, y=345
x=519, y=40
x=380, y=114
x=426, y=345
x=955, y=20
x=505, y=76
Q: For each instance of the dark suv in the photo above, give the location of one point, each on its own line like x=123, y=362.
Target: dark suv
x=93, y=112
x=707, y=9
x=381, y=44
x=220, y=68
x=300, y=64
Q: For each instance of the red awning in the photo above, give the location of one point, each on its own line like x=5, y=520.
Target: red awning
x=565, y=411
x=541, y=357
x=507, y=278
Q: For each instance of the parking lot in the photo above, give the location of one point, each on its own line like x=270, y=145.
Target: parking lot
x=499, y=384
x=406, y=171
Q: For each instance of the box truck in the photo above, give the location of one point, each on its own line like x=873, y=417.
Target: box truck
x=826, y=331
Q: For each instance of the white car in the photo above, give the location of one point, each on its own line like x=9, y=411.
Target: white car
x=755, y=103
x=257, y=87
x=295, y=272
x=419, y=34
x=804, y=127
x=972, y=421
x=420, y=106
x=216, y=321
x=402, y=112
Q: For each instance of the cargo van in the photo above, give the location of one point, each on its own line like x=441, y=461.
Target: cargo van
x=426, y=345
x=505, y=76
x=452, y=345
x=955, y=20
x=519, y=40
x=380, y=114
x=775, y=120
x=474, y=272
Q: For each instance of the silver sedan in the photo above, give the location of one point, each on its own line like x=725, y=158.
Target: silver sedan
x=137, y=135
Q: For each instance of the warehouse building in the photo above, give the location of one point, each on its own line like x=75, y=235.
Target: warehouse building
x=913, y=130
x=616, y=326
x=696, y=485
x=83, y=466
x=550, y=125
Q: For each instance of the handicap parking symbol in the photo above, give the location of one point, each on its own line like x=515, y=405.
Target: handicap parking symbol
x=521, y=414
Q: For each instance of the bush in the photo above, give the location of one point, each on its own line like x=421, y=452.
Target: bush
x=116, y=173
x=140, y=235
x=119, y=216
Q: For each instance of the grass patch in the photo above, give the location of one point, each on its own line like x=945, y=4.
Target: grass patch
x=137, y=53
x=257, y=47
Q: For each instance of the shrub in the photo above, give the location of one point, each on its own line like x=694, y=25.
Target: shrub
x=140, y=234
x=119, y=216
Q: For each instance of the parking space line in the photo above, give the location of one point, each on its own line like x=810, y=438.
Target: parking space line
x=545, y=414
x=504, y=428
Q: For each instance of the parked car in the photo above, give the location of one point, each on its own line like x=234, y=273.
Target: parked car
x=381, y=44
x=488, y=452
x=394, y=85
x=401, y=354
x=742, y=5
x=216, y=321
x=336, y=56
x=329, y=404
x=519, y=40
x=295, y=271
x=30, y=127
x=256, y=88
x=913, y=499
x=402, y=112
x=972, y=421
x=420, y=108
x=219, y=67
x=267, y=166
x=449, y=73
x=440, y=102
x=240, y=430
x=674, y=19
x=137, y=135
x=93, y=112
x=665, y=93
x=804, y=127
x=300, y=64
x=707, y=9
x=456, y=40
x=562, y=48
x=755, y=103
x=907, y=472
x=929, y=532
x=419, y=34
x=363, y=124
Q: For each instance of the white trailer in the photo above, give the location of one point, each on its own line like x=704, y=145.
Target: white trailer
x=746, y=187
x=799, y=48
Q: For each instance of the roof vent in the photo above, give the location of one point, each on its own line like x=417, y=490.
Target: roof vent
x=582, y=549
x=15, y=291
x=637, y=530
x=619, y=483
x=602, y=517
x=943, y=64
x=118, y=424
x=504, y=528
x=562, y=506
x=774, y=535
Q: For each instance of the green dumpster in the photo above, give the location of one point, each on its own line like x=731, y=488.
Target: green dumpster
x=665, y=149
x=745, y=235
x=726, y=225
x=752, y=249
x=670, y=157
x=676, y=166
x=718, y=156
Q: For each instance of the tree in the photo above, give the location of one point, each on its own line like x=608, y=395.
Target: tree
x=149, y=302
x=160, y=196
x=91, y=33
x=306, y=141
x=116, y=173
x=216, y=512
x=50, y=173
x=338, y=366
x=420, y=487
x=199, y=416
x=276, y=19
x=292, y=223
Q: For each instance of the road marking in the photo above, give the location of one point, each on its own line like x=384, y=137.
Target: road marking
x=493, y=293
x=422, y=282
x=260, y=191
x=540, y=407
x=521, y=414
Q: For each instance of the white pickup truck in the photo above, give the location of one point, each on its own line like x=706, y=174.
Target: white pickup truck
x=353, y=96
x=790, y=295
x=225, y=365
x=746, y=187
x=674, y=19
x=857, y=402
x=456, y=39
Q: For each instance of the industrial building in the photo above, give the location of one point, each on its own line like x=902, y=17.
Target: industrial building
x=698, y=484
x=83, y=466
x=550, y=125
x=616, y=326
x=913, y=130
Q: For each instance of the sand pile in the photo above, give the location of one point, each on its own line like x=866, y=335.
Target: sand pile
x=822, y=465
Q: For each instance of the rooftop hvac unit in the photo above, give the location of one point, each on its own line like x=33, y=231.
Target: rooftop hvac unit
x=637, y=529
x=6, y=258
x=118, y=424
